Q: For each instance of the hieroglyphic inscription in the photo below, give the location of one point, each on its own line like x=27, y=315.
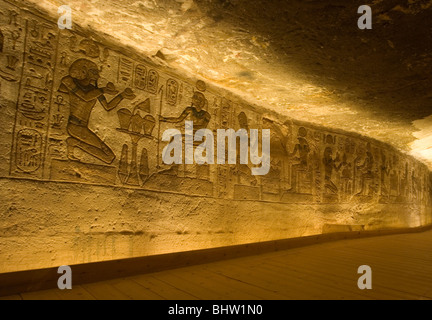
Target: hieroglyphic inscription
x=140, y=77
x=35, y=92
x=89, y=112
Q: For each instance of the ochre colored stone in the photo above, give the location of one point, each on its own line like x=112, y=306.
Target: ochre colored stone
x=82, y=179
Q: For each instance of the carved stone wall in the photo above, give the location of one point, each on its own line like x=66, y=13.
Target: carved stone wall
x=81, y=174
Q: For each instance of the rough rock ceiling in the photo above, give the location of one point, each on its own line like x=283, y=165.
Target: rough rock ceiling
x=304, y=58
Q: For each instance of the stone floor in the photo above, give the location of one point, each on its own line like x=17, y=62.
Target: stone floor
x=401, y=269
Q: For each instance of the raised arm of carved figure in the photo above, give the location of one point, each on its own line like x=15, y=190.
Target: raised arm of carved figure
x=180, y=118
x=68, y=85
x=108, y=106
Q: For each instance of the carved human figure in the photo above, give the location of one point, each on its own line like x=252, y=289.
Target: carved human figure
x=394, y=176
x=195, y=112
x=415, y=185
x=301, y=149
x=242, y=172
x=329, y=165
x=280, y=133
x=13, y=18
x=404, y=182
x=81, y=85
x=385, y=172
x=366, y=172
x=346, y=176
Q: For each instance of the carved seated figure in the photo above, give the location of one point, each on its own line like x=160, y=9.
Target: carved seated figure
x=195, y=112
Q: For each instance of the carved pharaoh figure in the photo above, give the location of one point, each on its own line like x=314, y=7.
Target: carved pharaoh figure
x=81, y=85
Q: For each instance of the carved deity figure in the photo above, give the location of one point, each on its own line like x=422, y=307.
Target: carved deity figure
x=195, y=112
x=81, y=86
x=329, y=165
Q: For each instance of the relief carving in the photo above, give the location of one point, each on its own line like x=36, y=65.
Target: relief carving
x=364, y=169
x=140, y=77
x=29, y=150
x=67, y=84
x=171, y=92
x=196, y=112
x=329, y=166
x=152, y=81
x=81, y=85
x=300, y=175
x=138, y=126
